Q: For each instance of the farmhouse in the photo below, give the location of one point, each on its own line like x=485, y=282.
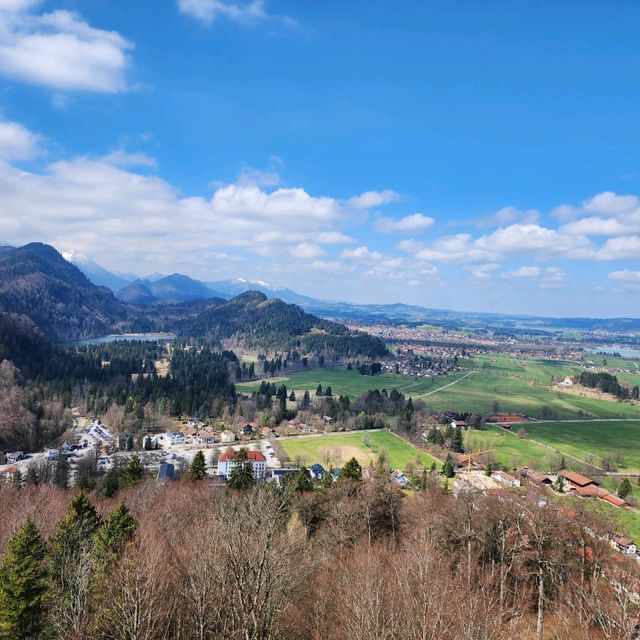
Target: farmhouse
x=624, y=545
x=227, y=462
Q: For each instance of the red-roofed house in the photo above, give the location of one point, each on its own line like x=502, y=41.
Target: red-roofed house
x=576, y=479
x=624, y=545
x=227, y=462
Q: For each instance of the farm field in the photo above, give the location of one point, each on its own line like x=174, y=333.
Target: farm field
x=519, y=385
x=353, y=384
x=598, y=438
x=365, y=446
x=588, y=441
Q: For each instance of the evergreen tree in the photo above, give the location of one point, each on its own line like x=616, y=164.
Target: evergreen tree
x=133, y=472
x=300, y=481
x=447, y=467
x=292, y=396
x=70, y=564
x=306, y=400
x=198, y=468
x=624, y=489
x=241, y=477
x=319, y=390
x=328, y=392
x=488, y=470
x=118, y=529
x=62, y=472
x=351, y=470
x=23, y=586
x=32, y=476
x=110, y=484
x=456, y=440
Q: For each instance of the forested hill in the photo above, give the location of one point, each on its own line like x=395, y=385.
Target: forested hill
x=36, y=281
x=258, y=322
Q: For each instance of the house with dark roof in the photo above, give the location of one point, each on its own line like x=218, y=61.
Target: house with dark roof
x=317, y=471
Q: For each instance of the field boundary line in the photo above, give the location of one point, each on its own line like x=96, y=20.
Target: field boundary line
x=446, y=386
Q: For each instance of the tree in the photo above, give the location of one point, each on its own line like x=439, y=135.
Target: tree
x=110, y=540
x=319, y=390
x=351, y=470
x=292, y=396
x=300, y=482
x=198, y=468
x=488, y=470
x=70, y=566
x=447, y=467
x=624, y=489
x=241, y=477
x=306, y=400
x=133, y=472
x=23, y=586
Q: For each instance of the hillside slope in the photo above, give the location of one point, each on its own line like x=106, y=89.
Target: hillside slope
x=258, y=322
x=36, y=281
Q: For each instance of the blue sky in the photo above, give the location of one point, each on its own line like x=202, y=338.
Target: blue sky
x=468, y=155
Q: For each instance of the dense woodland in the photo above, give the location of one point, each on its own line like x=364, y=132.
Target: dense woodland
x=343, y=560
x=608, y=383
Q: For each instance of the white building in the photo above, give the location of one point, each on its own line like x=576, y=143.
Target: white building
x=227, y=462
x=174, y=437
x=227, y=436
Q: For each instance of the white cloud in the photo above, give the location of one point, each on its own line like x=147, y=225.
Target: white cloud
x=371, y=199
x=595, y=226
x=483, y=271
x=415, y=222
x=626, y=275
x=509, y=215
x=306, y=251
x=95, y=204
x=554, y=277
x=626, y=248
x=17, y=142
x=60, y=50
x=207, y=11
x=522, y=272
x=361, y=253
x=333, y=237
x=321, y=265
x=611, y=204
x=121, y=158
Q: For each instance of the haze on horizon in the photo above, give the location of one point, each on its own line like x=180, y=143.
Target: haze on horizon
x=472, y=156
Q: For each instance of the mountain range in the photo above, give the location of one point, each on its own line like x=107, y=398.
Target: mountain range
x=38, y=283
x=157, y=289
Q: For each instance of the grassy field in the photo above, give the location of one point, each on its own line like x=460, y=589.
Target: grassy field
x=587, y=440
x=353, y=384
x=365, y=446
x=546, y=441
x=520, y=385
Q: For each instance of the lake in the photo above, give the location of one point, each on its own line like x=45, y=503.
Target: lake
x=624, y=352
x=129, y=337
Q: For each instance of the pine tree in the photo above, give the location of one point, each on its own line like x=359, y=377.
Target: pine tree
x=351, y=470
x=447, y=467
x=306, y=400
x=32, y=476
x=133, y=472
x=23, y=587
x=624, y=489
x=198, y=468
x=300, y=481
x=118, y=529
x=70, y=565
x=319, y=390
x=241, y=477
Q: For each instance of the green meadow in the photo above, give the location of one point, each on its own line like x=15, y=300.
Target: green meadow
x=365, y=446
